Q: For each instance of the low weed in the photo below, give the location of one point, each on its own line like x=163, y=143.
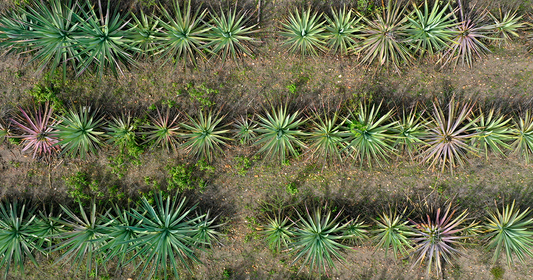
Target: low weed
x=81, y=188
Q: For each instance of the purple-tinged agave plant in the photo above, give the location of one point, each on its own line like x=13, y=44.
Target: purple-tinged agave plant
x=37, y=131
x=437, y=239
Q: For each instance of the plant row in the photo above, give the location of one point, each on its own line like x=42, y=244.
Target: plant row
x=158, y=237
x=317, y=238
x=161, y=237
x=58, y=33
x=443, y=136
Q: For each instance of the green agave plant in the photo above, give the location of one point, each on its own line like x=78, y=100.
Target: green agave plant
x=144, y=31
x=492, y=133
x=244, y=130
x=79, y=132
x=84, y=236
x=411, y=130
x=17, y=240
x=278, y=133
x=385, y=37
x=327, y=137
x=184, y=35
x=229, y=35
x=369, y=136
x=523, y=133
x=506, y=26
x=355, y=231
x=393, y=231
x=165, y=236
x=304, y=32
x=437, y=239
x=431, y=30
x=509, y=231
x=317, y=240
x=203, y=135
x=14, y=24
x=163, y=132
x=206, y=232
x=278, y=233
x=342, y=30
x=104, y=40
x=121, y=131
x=54, y=27
x=448, y=135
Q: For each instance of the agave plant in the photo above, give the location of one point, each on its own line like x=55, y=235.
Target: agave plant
x=121, y=131
x=278, y=133
x=468, y=42
x=523, y=133
x=327, y=137
x=506, y=26
x=448, y=135
x=278, y=233
x=17, y=241
x=37, y=131
x=411, y=130
x=438, y=239
x=144, y=31
x=385, y=37
x=304, y=32
x=104, y=41
x=245, y=130
x=163, y=131
x=84, y=236
x=183, y=36
x=492, y=133
x=393, y=231
x=203, y=135
x=54, y=27
x=166, y=235
x=230, y=36
x=317, y=237
x=14, y=24
x=79, y=132
x=369, y=136
x=431, y=31
x=509, y=230
x=355, y=231
x=342, y=30
x=206, y=232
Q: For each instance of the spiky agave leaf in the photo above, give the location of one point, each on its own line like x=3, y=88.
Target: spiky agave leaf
x=317, y=240
x=411, y=129
x=163, y=132
x=206, y=232
x=393, y=231
x=229, y=35
x=468, y=43
x=431, y=31
x=304, y=32
x=278, y=133
x=369, y=136
x=14, y=25
x=506, y=26
x=438, y=238
x=448, y=135
x=52, y=38
x=37, y=127
x=204, y=135
x=509, y=230
x=104, y=41
x=327, y=137
x=84, y=236
x=278, y=233
x=184, y=35
x=523, y=133
x=342, y=30
x=17, y=240
x=385, y=37
x=166, y=233
x=79, y=132
x=492, y=133
x=245, y=130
